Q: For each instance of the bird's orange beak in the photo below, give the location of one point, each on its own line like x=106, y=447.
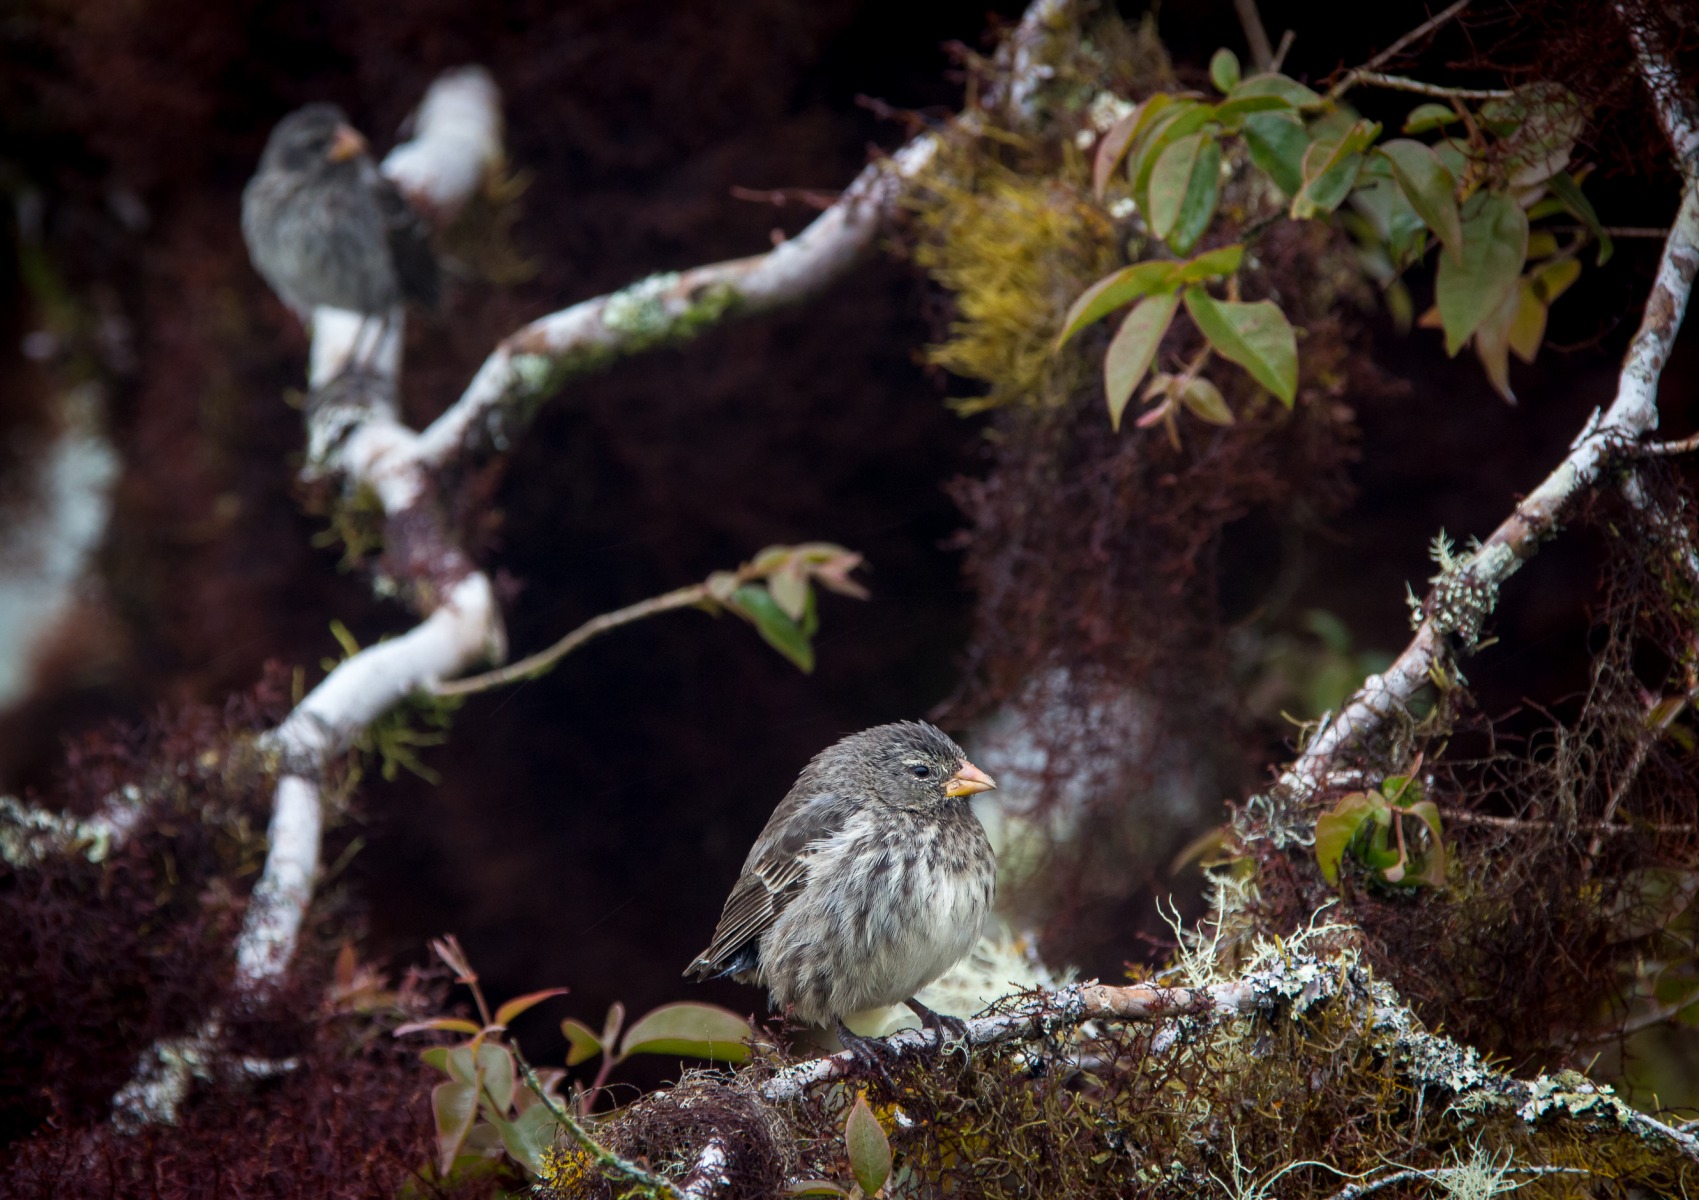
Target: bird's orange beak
x=346, y=145
x=968, y=780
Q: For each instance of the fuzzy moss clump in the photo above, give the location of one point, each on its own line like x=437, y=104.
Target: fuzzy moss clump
x=1014, y=250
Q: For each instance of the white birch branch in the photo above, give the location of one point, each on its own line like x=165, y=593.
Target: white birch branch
x=668, y=308
x=1468, y=591
x=1465, y=594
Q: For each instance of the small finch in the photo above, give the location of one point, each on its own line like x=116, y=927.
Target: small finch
x=872, y=878
x=326, y=229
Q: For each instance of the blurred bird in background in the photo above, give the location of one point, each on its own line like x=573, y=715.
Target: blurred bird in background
x=326, y=229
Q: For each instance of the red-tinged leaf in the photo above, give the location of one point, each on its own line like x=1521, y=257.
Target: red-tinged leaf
x=453, y=1105
x=789, y=585
x=869, y=1148
x=1113, y=148
x=581, y=1043
x=692, y=1029
x=1181, y=119
x=1430, y=188
x=517, y=1005
x=815, y=1187
x=1112, y=292
x=1132, y=350
x=1256, y=336
x=445, y=1024
x=1470, y=289
x=448, y=949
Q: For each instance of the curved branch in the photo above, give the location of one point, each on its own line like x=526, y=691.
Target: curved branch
x=665, y=309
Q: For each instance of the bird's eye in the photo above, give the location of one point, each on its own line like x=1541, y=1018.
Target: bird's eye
x=920, y=770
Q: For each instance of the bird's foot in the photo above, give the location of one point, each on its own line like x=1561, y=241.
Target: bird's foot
x=940, y=1024
x=872, y=1055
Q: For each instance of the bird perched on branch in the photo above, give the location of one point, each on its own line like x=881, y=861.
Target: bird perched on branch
x=872, y=878
x=325, y=229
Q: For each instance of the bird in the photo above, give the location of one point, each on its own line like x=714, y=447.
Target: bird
x=325, y=229
x=871, y=879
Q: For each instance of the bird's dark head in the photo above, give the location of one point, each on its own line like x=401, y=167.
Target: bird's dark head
x=916, y=765
x=311, y=139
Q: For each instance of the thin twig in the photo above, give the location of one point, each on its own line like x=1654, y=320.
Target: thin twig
x=1353, y=1191
x=1419, y=87
x=536, y=664
x=1282, y=50
x=1679, y=446
x=1256, y=37
x=604, y=1157
x=1432, y=24
x=1463, y=817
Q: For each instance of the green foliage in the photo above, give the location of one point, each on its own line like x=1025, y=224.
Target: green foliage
x=775, y=593
x=484, y=1110
x=1392, y=831
x=1473, y=191
x=869, y=1149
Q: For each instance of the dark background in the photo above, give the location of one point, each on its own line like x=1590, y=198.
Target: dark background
x=587, y=825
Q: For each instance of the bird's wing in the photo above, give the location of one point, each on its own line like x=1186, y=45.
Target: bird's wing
x=773, y=874
x=409, y=245
x=757, y=899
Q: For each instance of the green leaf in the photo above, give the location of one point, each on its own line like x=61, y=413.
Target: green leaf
x=1212, y=264
x=1206, y=402
x=815, y=1187
x=1401, y=789
x=1233, y=113
x=1470, y=289
x=1277, y=142
x=517, y=1005
x=1203, y=192
x=1112, y=291
x=1113, y=148
x=1287, y=89
x=462, y=1066
x=1337, y=828
x=869, y=1148
x=1180, y=120
x=453, y=1105
x=447, y=1024
x=1330, y=169
x=1133, y=348
x=1568, y=191
x=582, y=1044
x=437, y=1057
x=1224, y=70
x=1169, y=180
x=528, y=1136
x=1429, y=187
x=691, y=1029
x=495, y=1069
x=775, y=626
x=1425, y=117
x=1256, y=336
